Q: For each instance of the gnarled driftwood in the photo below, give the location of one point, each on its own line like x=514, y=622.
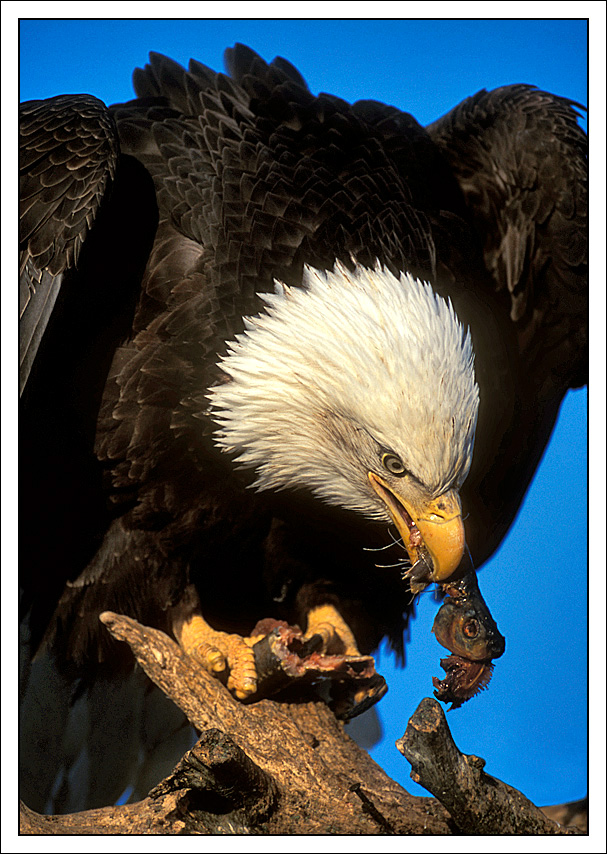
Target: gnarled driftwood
x=276, y=767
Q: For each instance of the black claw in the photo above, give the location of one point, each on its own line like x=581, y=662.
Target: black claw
x=311, y=645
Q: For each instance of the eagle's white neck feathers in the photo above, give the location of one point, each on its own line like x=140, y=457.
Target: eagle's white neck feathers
x=334, y=373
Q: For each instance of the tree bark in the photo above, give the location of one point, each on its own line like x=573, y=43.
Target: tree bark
x=478, y=803
x=275, y=767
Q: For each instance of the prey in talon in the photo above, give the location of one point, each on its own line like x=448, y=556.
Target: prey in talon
x=322, y=662
x=464, y=626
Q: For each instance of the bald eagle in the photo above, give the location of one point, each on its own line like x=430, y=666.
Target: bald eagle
x=258, y=327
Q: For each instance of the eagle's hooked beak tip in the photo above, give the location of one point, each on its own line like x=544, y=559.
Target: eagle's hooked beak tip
x=435, y=525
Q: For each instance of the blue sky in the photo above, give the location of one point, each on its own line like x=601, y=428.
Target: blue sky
x=530, y=725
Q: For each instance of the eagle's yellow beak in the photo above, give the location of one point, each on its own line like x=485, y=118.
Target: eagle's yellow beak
x=436, y=525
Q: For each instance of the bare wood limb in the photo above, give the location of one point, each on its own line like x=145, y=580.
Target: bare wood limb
x=215, y=788
x=281, y=768
x=574, y=813
x=478, y=803
x=295, y=768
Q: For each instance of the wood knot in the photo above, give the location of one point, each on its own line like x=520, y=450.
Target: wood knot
x=222, y=778
x=475, y=761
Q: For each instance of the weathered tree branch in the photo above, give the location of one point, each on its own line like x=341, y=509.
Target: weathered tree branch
x=478, y=803
x=279, y=768
x=215, y=788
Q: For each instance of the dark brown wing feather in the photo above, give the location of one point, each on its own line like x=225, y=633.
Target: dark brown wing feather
x=68, y=155
x=520, y=158
x=88, y=217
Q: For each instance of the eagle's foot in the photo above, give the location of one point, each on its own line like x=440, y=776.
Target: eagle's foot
x=324, y=663
x=327, y=623
x=219, y=652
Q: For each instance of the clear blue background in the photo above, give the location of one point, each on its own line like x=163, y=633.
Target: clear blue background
x=530, y=725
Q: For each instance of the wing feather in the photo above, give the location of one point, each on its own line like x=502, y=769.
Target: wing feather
x=68, y=154
x=520, y=158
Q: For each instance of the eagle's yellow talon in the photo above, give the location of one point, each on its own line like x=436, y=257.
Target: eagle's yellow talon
x=212, y=658
x=327, y=633
x=336, y=635
x=243, y=675
x=244, y=689
x=218, y=651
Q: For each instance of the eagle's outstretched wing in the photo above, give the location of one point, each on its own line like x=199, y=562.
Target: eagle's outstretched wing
x=520, y=158
x=68, y=157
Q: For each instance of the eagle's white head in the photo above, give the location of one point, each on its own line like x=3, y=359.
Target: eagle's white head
x=360, y=387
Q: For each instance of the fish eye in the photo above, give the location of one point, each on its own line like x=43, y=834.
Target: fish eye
x=471, y=628
x=393, y=464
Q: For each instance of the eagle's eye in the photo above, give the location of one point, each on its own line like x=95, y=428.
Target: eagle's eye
x=393, y=464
